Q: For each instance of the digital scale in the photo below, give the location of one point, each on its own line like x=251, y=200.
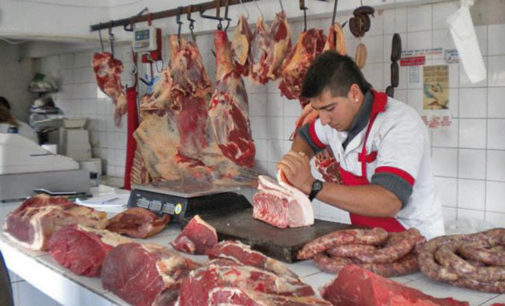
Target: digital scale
x=184, y=200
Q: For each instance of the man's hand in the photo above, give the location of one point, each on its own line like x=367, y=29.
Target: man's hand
x=296, y=168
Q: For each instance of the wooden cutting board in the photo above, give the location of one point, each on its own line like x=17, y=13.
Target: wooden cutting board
x=282, y=244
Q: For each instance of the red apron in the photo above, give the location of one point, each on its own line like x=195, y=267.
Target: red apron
x=389, y=224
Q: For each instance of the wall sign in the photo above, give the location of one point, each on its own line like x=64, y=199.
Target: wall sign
x=436, y=96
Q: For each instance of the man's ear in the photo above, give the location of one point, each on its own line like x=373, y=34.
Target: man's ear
x=354, y=93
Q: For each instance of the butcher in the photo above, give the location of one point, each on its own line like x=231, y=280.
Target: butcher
x=382, y=147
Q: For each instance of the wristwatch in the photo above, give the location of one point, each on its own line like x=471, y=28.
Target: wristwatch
x=316, y=187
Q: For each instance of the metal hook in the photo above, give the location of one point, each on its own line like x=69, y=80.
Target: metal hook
x=101, y=40
x=191, y=22
x=228, y=19
x=282, y=7
x=111, y=38
x=219, y=25
x=179, y=22
x=129, y=28
x=258, y=7
x=334, y=12
x=304, y=9
x=245, y=8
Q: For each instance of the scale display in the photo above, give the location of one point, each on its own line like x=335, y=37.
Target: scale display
x=144, y=39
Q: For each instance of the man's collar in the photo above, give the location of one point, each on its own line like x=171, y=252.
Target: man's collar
x=363, y=115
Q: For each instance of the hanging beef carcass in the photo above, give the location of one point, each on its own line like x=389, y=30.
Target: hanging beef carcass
x=229, y=108
x=281, y=47
x=107, y=73
x=335, y=40
x=32, y=224
x=145, y=274
x=241, y=46
x=310, y=44
x=260, y=57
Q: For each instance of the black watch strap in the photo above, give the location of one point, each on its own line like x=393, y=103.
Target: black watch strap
x=316, y=187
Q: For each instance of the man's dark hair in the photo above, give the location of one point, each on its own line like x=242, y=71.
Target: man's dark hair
x=5, y=103
x=335, y=72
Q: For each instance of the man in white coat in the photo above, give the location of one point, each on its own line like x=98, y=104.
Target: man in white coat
x=381, y=145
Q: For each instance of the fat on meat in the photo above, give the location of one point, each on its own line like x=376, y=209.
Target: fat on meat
x=108, y=77
x=36, y=219
x=281, y=205
x=241, y=46
x=138, y=222
x=196, y=238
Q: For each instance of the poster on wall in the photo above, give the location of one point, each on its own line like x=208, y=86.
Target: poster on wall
x=436, y=96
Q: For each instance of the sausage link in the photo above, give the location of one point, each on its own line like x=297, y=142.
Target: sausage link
x=364, y=10
x=392, y=252
x=493, y=287
x=395, y=74
x=494, y=256
x=350, y=250
x=396, y=47
x=360, y=55
x=331, y=264
x=354, y=27
x=375, y=236
x=445, y=255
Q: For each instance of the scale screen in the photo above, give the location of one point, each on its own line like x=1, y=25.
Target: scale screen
x=144, y=39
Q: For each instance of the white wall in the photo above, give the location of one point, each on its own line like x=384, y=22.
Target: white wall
x=468, y=158
x=15, y=75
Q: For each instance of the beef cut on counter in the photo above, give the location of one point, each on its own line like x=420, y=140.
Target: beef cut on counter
x=33, y=222
x=145, y=274
x=281, y=205
x=138, y=222
x=196, y=237
x=82, y=249
x=356, y=286
x=108, y=77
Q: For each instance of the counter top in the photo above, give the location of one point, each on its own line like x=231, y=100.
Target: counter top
x=67, y=288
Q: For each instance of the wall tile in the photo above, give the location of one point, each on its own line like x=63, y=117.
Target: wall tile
x=415, y=99
x=445, y=162
x=472, y=164
x=258, y=104
x=495, y=134
x=467, y=214
x=450, y=214
x=275, y=105
x=471, y=194
x=261, y=149
x=495, y=193
x=375, y=48
x=275, y=127
x=419, y=40
x=447, y=188
x=496, y=102
x=464, y=81
x=496, y=68
x=289, y=127
x=374, y=75
x=446, y=137
x=440, y=13
x=275, y=150
x=473, y=103
x=472, y=133
x=496, y=219
x=496, y=46
x=259, y=127
x=419, y=18
x=495, y=165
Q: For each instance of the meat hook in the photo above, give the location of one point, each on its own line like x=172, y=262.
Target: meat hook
x=219, y=25
x=111, y=39
x=101, y=40
x=191, y=22
x=129, y=28
x=304, y=9
x=282, y=7
x=245, y=8
x=334, y=12
x=258, y=7
x=228, y=19
x=179, y=23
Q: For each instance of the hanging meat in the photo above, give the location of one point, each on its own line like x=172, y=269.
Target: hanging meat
x=229, y=108
x=335, y=40
x=241, y=46
x=282, y=44
x=260, y=57
x=107, y=73
x=310, y=44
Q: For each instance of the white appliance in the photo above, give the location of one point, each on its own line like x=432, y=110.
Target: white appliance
x=25, y=166
x=72, y=139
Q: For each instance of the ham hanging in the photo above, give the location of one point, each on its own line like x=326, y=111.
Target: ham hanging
x=310, y=44
x=260, y=57
x=241, y=46
x=107, y=73
x=229, y=108
x=281, y=47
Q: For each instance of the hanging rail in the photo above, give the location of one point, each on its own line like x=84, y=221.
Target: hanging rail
x=202, y=7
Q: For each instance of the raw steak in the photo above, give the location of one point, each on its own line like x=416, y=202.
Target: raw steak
x=358, y=286
x=108, y=73
x=241, y=46
x=281, y=205
x=215, y=280
x=82, y=249
x=146, y=274
x=229, y=108
x=309, y=45
x=196, y=237
x=260, y=57
x=137, y=222
x=32, y=224
x=242, y=253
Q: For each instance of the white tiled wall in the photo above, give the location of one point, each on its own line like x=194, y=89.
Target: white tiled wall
x=468, y=157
